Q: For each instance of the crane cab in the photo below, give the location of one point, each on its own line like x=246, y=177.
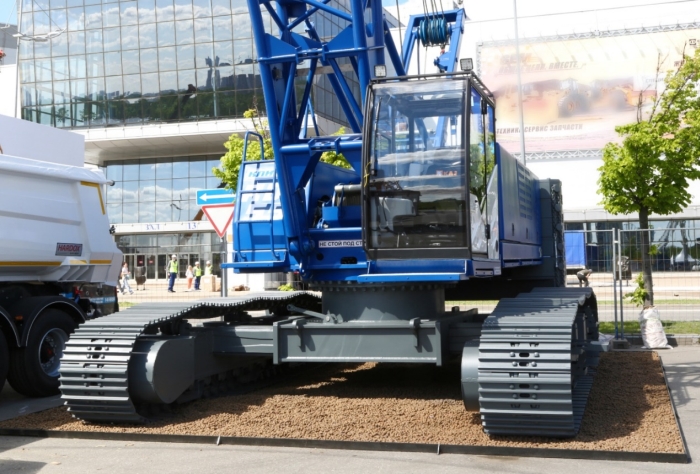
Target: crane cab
x=429, y=186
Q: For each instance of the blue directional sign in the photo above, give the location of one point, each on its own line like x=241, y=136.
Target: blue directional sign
x=207, y=197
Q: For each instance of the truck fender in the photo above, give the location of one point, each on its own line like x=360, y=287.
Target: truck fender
x=9, y=328
x=31, y=308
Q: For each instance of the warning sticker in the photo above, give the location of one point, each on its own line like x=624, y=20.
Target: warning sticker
x=69, y=250
x=339, y=243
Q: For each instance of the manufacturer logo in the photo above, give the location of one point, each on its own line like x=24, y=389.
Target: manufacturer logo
x=261, y=174
x=339, y=243
x=103, y=299
x=69, y=250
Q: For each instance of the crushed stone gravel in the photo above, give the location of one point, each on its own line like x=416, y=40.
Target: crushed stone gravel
x=628, y=410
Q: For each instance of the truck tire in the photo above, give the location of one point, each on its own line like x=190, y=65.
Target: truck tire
x=4, y=360
x=618, y=100
x=34, y=368
x=572, y=104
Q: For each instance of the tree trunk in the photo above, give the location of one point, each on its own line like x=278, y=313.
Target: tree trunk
x=646, y=258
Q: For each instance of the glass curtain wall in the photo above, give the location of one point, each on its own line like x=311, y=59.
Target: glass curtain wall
x=152, y=252
x=135, y=62
x=158, y=190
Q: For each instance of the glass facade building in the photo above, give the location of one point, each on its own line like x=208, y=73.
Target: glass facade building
x=158, y=190
x=152, y=251
x=136, y=62
x=141, y=62
x=139, y=65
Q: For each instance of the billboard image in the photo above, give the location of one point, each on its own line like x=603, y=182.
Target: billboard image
x=575, y=91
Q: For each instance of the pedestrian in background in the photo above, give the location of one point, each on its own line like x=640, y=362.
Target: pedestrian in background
x=583, y=277
x=172, y=273
x=125, y=279
x=208, y=270
x=197, y=276
x=190, y=276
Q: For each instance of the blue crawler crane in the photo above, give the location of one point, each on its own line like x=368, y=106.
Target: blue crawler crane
x=432, y=208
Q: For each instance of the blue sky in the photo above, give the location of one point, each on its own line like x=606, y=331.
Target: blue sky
x=7, y=6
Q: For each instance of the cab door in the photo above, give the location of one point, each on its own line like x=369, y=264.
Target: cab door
x=483, y=176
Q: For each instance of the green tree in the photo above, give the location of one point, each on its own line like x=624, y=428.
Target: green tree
x=61, y=115
x=481, y=164
x=660, y=153
x=336, y=159
x=231, y=161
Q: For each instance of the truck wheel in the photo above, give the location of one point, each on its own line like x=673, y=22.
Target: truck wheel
x=618, y=100
x=34, y=368
x=4, y=356
x=567, y=106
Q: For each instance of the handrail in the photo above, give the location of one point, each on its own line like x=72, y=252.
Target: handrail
x=245, y=144
x=274, y=185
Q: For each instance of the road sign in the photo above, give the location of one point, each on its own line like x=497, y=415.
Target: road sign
x=220, y=216
x=205, y=197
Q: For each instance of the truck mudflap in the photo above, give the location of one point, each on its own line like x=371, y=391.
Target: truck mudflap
x=97, y=364
x=533, y=367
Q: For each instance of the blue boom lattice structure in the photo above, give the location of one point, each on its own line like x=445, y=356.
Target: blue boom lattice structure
x=432, y=206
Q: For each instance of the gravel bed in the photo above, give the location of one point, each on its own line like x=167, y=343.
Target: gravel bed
x=629, y=409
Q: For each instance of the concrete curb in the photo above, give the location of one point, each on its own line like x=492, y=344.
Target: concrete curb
x=674, y=340
x=681, y=458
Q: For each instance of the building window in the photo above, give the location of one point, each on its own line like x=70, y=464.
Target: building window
x=152, y=252
x=158, y=190
x=139, y=66
x=148, y=61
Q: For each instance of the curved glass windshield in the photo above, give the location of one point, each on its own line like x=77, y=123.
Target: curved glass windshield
x=415, y=175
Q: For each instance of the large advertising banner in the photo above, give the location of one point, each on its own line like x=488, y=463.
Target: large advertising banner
x=575, y=91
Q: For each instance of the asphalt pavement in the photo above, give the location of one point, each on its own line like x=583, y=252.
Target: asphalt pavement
x=31, y=455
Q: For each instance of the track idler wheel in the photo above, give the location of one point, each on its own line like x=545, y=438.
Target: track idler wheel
x=470, y=375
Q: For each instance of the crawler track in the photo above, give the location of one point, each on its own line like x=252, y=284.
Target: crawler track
x=95, y=366
x=535, y=372
x=534, y=369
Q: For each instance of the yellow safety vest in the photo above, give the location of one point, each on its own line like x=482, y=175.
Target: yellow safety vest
x=197, y=271
x=173, y=266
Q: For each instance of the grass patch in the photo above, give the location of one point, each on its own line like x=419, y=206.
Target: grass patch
x=657, y=302
x=670, y=327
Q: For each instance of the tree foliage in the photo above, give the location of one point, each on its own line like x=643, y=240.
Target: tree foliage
x=336, y=159
x=481, y=164
x=640, y=295
x=231, y=161
x=649, y=172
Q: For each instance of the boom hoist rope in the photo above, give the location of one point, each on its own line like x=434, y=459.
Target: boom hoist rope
x=398, y=17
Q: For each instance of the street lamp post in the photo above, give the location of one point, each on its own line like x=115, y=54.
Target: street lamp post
x=17, y=85
x=520, y=84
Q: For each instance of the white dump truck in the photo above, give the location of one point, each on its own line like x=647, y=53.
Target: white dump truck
x=59, y=264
